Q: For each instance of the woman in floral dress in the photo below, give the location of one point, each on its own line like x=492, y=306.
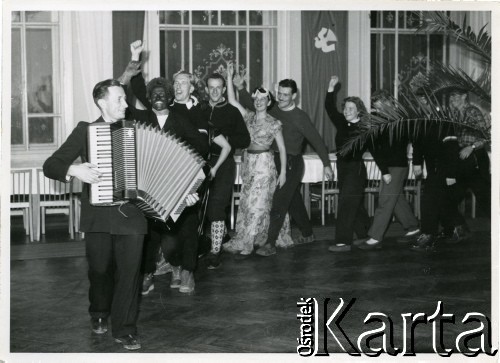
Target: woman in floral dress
x=258, y=173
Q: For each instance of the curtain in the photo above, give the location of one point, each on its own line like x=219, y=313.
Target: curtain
x=92, y=59
x=324, y=53
x=128, y=26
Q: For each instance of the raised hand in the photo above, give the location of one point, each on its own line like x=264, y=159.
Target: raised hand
x=239, y=79
x=136, y=49
x=333, y=82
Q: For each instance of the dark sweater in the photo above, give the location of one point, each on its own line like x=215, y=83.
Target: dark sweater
x=440, y=156
x=297, y=127
x=389, y=153
x=226, y=119
x=345, y=130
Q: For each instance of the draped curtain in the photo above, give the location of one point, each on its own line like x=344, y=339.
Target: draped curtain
x=92, y=59
x=128, y=26
x=324, y=53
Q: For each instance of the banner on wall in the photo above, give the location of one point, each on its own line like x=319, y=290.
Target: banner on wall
x=324, y=53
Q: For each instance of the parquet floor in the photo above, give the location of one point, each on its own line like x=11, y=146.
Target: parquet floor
x=250, y=306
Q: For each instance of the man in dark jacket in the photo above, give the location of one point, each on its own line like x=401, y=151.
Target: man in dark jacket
x=113, y=234
x=225, y=119
x=436, y=145
x=179, y=244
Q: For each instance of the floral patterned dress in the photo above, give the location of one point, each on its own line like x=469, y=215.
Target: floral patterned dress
x=259, y=179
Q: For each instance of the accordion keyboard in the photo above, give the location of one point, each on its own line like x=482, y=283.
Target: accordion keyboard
x=100, y=154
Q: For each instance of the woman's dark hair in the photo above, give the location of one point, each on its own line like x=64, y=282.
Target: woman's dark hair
x=270, y=96
x=359, y=105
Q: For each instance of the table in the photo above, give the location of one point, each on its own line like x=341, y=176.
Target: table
x=313, y=172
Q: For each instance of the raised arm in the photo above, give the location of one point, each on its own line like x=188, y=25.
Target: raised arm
x=331, y=103
x=137, y=82
x=231, y=96
x=134, y=65
x=244, y=97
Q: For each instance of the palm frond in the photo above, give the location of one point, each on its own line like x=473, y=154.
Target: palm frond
x=443, y=76
x=410, y=118
x=437, y=21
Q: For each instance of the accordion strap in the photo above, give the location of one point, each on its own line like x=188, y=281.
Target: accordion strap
x=203, y=206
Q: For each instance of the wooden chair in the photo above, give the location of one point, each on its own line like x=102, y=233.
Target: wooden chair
x=413, y=190
x=473, y=204
x=372, y=188
x=55, y=196
x=327, y=194
x=235, y=196
x=21, y=198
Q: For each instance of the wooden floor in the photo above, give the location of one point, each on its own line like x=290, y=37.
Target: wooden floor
x=249, y=305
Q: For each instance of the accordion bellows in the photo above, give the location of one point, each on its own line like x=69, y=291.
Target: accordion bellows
x=145, y=166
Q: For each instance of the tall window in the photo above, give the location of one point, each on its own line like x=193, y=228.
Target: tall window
x=399, y=53
x=203, y=41
x=35, y=103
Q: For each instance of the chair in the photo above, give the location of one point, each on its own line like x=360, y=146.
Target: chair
x=473, y=204
x=235, y=196
x=372, y=185
x=21, y=198
x=413, y=190
x=329, y=193
x=55, y=196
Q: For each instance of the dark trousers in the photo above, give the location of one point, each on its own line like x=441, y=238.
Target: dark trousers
x=221, y=188
x=288, y=199
x=114, y=274
x=180, y=244
x=439, y=205
x=352, y=216
x=473, y=173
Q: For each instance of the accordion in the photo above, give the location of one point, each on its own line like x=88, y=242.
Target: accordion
x=143, y=165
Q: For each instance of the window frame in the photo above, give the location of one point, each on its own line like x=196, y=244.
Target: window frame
x=54, y=26
x=396, y=31
x=269, y=36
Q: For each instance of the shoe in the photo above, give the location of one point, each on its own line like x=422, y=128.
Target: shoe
x=308, y=239
x=460, y=234
x=425, y=243
x=266, y=250
x=163, y=268
x=187, y=282
x=359, y=241
x=411, y=236
x=339, y=247
x=213, y=261
x=175, y=282
x=148, y=284
x=370, y=246
x=230, y=249
x=129, y=342
x=242, y=256
x=99, y=325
